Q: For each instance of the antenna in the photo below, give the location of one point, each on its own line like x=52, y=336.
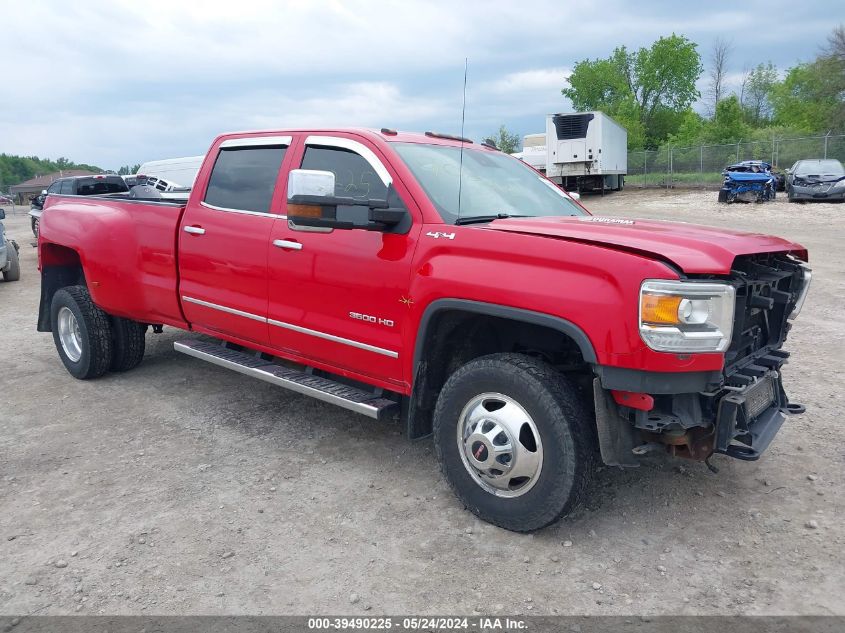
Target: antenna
x=463, y=118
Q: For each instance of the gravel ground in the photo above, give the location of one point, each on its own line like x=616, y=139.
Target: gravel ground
x=183, y=488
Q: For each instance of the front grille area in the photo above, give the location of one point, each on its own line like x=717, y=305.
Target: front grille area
x=751, y=408
x=767, y=288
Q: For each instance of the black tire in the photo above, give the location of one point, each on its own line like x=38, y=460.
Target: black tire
x=723, y=195
x=14, y=271
x=128, y=344
x=35, y=227
x=94, y=330
x=789, y=195
x=566, y=430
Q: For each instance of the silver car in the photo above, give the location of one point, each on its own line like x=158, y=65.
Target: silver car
x=816, y=179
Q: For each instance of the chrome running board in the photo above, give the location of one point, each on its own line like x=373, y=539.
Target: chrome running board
x=324, y=389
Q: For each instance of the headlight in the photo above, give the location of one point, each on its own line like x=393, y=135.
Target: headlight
x=683, y=316
x=807, y=276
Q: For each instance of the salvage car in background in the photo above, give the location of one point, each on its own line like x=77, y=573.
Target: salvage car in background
x=97, y=185
x=9, y=262
x=816, y=179
x=748, y=181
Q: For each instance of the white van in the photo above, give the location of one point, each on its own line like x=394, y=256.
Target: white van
x=171, y=174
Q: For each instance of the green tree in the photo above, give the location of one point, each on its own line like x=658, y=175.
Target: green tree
x=811, y=96
x=649, y=85
x=836, y=45
x=128, y=170
x=728, y=125
x=505, y=140
x=16, y=169
x=757, y=93
x=690, y=130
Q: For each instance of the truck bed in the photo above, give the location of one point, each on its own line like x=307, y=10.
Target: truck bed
x=129, y=248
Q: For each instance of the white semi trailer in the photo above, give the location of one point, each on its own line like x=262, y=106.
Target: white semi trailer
x=581, y=151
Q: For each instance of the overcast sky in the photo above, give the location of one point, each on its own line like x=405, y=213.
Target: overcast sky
x=113, y=83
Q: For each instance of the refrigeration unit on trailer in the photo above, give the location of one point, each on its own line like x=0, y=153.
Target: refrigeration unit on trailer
x=580, y=151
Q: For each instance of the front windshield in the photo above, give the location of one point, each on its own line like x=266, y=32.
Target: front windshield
x=820, y=168
x=489, y=183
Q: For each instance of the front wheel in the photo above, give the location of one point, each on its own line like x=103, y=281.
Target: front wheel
x=34, y=223
x=514, y=440
x=81, y=332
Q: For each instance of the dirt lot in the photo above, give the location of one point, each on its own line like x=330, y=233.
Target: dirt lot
x=182, y=488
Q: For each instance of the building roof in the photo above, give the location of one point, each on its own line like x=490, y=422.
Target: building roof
x=42, y=182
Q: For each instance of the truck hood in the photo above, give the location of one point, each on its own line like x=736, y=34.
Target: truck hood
x=691, y=247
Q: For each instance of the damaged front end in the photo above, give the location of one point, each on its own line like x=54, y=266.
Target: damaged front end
x=737, y=411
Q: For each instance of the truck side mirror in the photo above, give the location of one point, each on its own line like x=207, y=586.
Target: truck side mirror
x=311, y=202
x=43, y=192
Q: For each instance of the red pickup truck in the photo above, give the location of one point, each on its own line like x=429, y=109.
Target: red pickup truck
x=445, y=283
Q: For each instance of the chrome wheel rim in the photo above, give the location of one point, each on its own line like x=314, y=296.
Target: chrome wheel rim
x=499, y=445
x=69, y=335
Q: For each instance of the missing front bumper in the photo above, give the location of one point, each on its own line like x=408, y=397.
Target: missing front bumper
x=741, y=423
x=747, y=421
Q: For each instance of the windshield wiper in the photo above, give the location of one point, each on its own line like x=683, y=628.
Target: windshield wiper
x=475, y=219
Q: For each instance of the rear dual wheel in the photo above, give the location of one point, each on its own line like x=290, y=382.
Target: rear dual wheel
x=128, y=344
x=514, y=440
x=89, y=341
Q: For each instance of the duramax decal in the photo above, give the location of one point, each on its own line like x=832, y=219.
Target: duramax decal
x=594, y=218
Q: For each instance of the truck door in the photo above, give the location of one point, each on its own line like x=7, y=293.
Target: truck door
x=225, y=236
x=339, y=297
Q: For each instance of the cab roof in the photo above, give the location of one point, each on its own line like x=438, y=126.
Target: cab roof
x=382, y=135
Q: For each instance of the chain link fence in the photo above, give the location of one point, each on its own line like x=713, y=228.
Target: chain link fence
x=702, y=165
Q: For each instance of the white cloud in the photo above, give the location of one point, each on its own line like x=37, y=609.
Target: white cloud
x=126, y=81
x=530, y=81
x=152, y=132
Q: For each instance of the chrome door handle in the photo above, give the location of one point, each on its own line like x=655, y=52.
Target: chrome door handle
x=194, y=230
x=294, y=246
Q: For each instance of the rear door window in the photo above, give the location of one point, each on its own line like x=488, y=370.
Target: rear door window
x=99, y=186
x=243, y=178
